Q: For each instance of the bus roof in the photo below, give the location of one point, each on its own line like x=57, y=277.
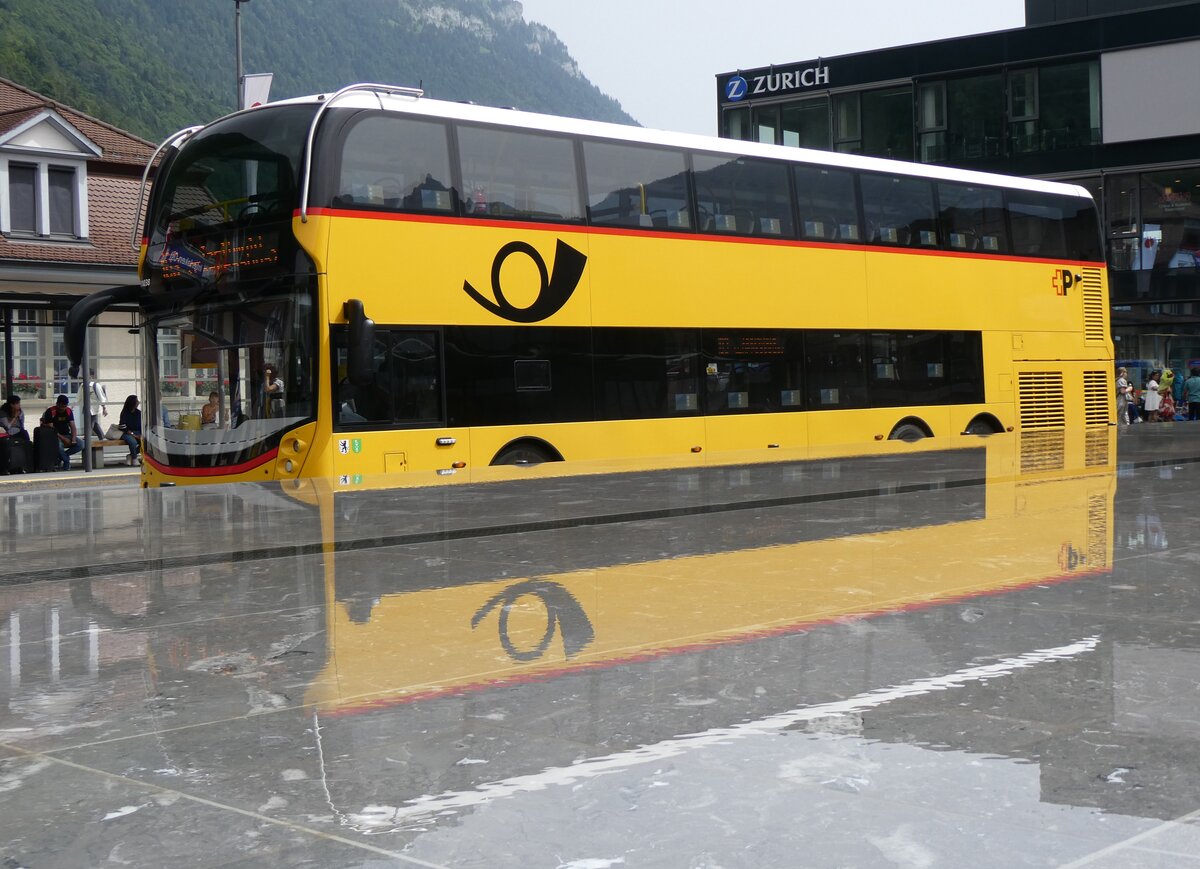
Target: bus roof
x=368, y=99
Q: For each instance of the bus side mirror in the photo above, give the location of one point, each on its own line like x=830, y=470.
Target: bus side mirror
x=360, y=359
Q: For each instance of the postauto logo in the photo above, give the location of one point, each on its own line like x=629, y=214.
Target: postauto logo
x=736, y=89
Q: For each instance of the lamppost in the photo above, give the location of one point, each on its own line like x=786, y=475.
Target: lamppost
x=237, y=42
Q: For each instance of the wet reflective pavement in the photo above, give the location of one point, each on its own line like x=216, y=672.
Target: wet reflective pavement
x=983, y=657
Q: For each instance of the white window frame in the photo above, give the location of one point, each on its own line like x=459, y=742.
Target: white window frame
x=46, y=141
x=43, y=165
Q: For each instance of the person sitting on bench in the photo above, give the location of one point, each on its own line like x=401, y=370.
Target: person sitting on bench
x=131, y=429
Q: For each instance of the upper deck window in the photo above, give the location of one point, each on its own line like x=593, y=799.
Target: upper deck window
x=518, y=175
x=630, y=185
x=972, y=218
x=899, y=211
x=742, y=195
x=827, y=203
x=242, y=169
x=1054, y=226
x=396, y=163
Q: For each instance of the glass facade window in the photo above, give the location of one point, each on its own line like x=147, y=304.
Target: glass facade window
x=847, y=123
x=741, y=195
x=931, y=121
x=887, y=123
x=1023, y=111
x=827, y=204
x=526, y=176
x=629, y=185
x=975, y=117
x=1069, y=106
x=737, y=124
x=1170, y=202
x=766, y=124
x=806, y=124
x=899, y=211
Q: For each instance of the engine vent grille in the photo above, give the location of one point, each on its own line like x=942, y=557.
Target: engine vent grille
x=1095, y=398
x=1093, y=306
x=1041, y=399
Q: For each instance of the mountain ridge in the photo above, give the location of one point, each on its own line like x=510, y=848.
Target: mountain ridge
x=153, y=66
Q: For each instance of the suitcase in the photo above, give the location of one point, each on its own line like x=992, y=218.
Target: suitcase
x=18, y=461
x=45, y=449
x=5, y=454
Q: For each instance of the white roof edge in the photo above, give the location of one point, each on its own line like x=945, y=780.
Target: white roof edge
x=694, y=141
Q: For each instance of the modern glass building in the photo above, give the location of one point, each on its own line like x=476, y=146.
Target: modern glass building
x=1103, y=93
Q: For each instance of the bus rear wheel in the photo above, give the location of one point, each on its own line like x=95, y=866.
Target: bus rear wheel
x=907, y=431
x=524, y=454
x=983, y=425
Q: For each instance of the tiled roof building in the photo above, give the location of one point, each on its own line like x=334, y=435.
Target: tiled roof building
x=68, y=202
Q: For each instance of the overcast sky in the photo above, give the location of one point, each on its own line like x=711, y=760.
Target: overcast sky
x=660, y=58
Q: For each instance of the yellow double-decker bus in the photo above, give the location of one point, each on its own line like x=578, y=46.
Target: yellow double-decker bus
x=371, y=281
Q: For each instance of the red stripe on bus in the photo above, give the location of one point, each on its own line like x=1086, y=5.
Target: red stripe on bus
x=579, y=228
x=213, y=472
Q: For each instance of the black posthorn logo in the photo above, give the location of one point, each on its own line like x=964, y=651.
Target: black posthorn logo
x=555, y=290
x=562, y=612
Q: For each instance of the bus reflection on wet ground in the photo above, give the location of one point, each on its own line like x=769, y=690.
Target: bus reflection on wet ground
x=977, y=656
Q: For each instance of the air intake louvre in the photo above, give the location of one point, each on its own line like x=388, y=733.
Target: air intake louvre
x=1093, y=306
x=1099, y=534
x=1096, y=448
x=1041, y=399
x=1043, y=451
x=1095, y=398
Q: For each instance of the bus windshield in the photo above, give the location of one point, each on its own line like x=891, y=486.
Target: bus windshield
x=227, y=378
x=240, y=171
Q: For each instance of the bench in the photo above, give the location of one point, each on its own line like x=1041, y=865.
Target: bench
x=98, y=450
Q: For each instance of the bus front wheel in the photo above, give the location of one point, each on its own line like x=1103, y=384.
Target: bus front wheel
x=525, y=453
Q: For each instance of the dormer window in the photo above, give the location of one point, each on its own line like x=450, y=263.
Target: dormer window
x=43, y=179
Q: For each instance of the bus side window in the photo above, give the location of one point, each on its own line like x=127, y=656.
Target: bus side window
x=518, y=175
x=971, y=219
x=827, y=204
x=899, y=211
x=752, y=371
x=629, y=185
x=395, y=163
x=1054, y=226
x=741, y=195
x=835, y=367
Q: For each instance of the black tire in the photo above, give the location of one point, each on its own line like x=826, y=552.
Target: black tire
x=522, y=454
x=981, y=427
x=907, y=431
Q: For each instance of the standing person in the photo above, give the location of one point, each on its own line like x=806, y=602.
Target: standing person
x=272, y=393
x=59, y=417
x=1150, y=398
x=131, y=429
x=98, y=406
x=1124, y=390
x=1191, y=394
x=1166, y=408
x=1166, y=386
